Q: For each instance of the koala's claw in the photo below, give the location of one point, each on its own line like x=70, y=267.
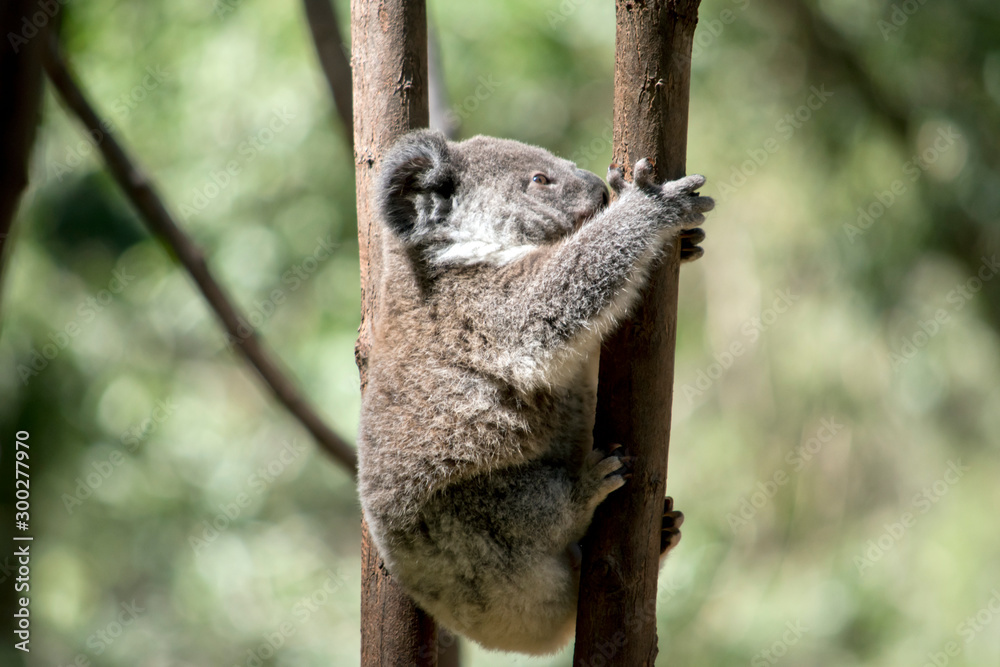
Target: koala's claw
x=670, y=533
x=693, y=236
x=604, y=473
x=642, y=174
x=686, y=186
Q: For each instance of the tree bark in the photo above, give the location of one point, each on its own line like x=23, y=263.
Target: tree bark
x=21, y=92
x=617, y=612
x=389, y=54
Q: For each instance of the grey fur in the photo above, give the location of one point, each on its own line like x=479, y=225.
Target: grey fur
x=477, y=469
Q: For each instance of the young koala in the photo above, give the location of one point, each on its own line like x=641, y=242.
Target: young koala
x=504, y=267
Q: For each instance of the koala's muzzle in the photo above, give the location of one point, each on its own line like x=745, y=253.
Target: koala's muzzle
x=594, y=194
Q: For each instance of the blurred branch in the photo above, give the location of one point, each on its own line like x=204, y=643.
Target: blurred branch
x=21, y=90
x=333, y=58
x=140, y=190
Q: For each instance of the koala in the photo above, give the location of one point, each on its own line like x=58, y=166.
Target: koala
x=504, y=268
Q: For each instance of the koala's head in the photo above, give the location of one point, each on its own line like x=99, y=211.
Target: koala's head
x=481, y=200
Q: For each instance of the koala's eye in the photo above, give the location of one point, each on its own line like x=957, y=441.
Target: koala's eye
x=540, y=178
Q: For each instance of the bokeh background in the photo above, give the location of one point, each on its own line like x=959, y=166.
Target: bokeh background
x=835, y=441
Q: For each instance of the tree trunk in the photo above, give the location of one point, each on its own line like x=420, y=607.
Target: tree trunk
x=389, y=54
x=617, y=612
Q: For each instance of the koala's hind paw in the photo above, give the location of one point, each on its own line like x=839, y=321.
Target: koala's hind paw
x=670, y=531
x=603, y=473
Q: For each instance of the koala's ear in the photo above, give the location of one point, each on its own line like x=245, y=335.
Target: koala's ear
x=417, y=178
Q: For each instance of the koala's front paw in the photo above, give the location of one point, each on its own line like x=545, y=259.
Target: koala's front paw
x=685, y=207
x=602, y=474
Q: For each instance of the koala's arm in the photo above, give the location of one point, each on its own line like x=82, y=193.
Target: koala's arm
x=575, y=291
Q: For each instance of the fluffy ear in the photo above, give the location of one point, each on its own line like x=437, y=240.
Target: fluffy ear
x=417, y=178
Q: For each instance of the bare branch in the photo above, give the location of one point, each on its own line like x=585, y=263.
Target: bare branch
x=142, y=193
x=21, y=91
x=333, y=58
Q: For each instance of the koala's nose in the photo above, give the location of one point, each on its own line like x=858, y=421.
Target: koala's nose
x=595, y=185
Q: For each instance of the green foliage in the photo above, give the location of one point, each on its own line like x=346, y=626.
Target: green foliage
x=835, y=424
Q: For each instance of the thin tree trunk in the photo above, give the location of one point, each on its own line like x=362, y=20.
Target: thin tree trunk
x=617, y=613
x=389, y=52
x=21, y=95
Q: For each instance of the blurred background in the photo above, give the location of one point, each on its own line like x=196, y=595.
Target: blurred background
x=835, y=441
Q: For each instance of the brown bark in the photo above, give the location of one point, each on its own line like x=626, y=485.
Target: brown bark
x=21, y=92
x=141, y=191
x=389, y=47
x=617, y=612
